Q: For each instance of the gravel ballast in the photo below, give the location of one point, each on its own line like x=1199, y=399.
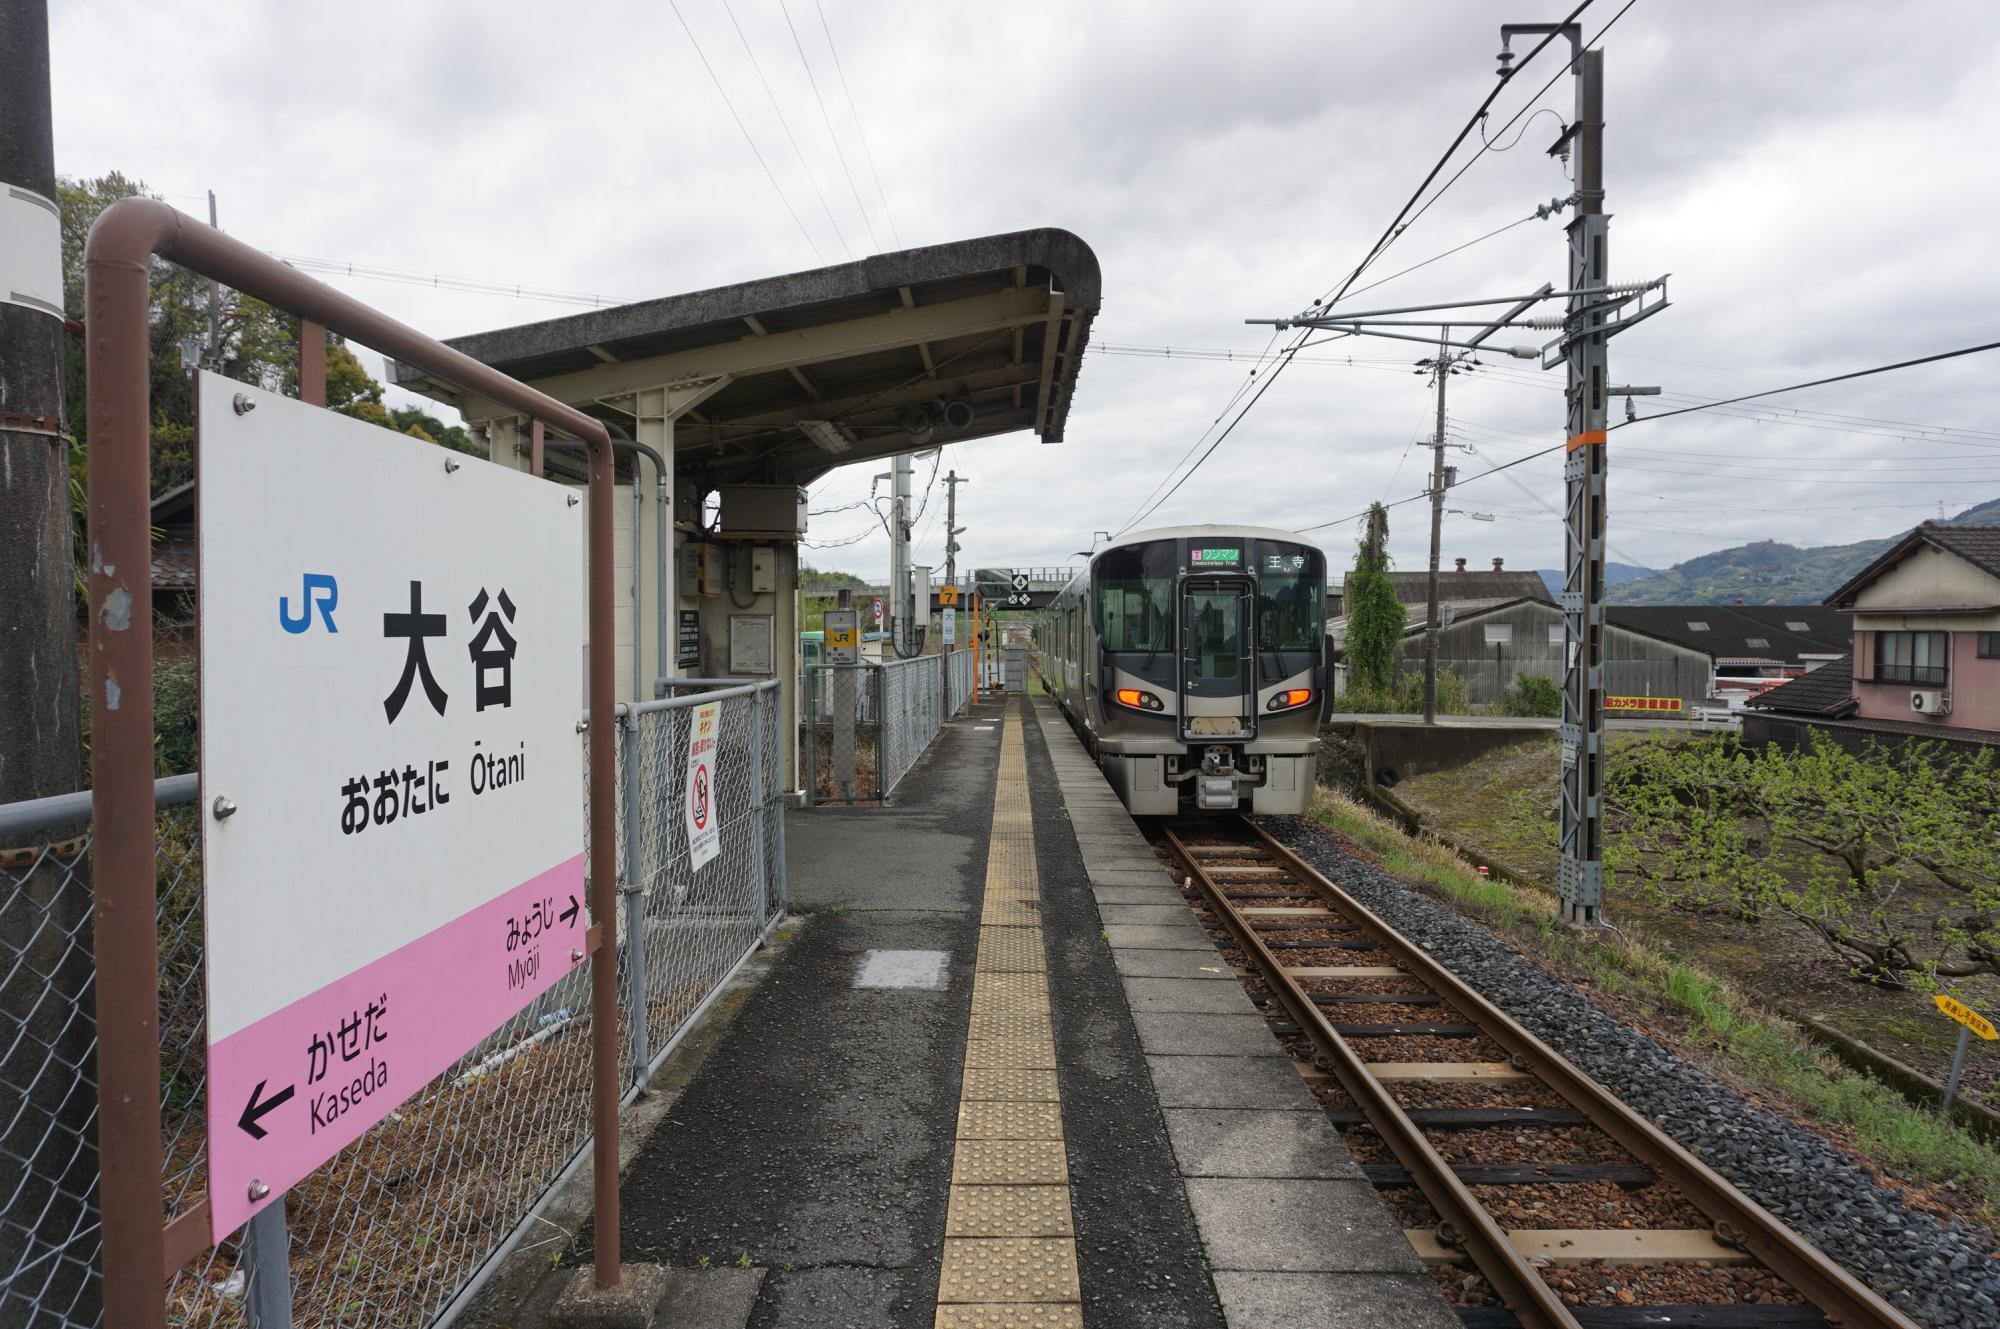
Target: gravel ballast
x=1938, y=1272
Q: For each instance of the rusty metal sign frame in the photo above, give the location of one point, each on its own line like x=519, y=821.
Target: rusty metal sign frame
x=138, y=1250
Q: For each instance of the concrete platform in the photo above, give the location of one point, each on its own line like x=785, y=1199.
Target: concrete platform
x=1293, y=1234
x=880, y=1126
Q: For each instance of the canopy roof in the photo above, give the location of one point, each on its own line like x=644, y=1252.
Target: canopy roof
x=889, y=352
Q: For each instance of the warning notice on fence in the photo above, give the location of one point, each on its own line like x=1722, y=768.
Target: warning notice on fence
x=392, y=785
x=704, y=838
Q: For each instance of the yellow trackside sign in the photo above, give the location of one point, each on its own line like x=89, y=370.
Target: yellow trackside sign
x=1966, y=1016
x=947, y=596
x=1669, y=705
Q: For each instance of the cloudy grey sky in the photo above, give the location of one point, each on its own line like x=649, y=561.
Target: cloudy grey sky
x=1818, y=176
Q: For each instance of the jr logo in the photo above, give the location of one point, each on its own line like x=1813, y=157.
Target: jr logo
x=321, y=591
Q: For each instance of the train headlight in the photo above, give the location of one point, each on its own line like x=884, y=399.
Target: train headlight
x=1290, y=697
x=1139, y=700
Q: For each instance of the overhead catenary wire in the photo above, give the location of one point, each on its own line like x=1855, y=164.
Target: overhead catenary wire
x=744, y=130
x=853, y=113
x=838, y=151
x=785, y=122
x=1388, y=237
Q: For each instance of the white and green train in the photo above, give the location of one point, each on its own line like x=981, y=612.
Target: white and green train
x=1191, y=658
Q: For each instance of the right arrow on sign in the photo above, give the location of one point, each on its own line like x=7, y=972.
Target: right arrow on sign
x=254, y=1110
x=569, y=915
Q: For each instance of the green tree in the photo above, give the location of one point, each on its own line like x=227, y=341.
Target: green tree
x=1374, y=614
x=1891, y=860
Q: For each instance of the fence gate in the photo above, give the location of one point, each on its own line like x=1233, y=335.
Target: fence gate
x=864, y=726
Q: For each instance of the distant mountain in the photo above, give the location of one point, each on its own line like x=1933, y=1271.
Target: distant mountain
x=1767, y=572
x=1614, y=574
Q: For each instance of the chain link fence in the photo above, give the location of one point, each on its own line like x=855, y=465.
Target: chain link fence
x=864, y=726
x=402, y=1227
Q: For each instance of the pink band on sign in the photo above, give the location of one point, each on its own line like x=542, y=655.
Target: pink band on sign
x=288, y=1091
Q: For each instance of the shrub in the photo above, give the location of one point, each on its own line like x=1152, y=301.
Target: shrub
x=1532, y=694
x=1403, y=696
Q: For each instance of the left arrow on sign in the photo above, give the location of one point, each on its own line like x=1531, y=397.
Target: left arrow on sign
x=569, y=915
x=253, y=1111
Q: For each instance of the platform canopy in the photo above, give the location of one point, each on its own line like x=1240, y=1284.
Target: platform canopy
x=784, y=378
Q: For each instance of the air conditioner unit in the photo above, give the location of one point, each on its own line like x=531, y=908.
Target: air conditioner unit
x=1931, y=703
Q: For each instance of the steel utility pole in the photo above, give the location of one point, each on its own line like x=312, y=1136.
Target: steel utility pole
x=1580, y=876
x=1442, y=369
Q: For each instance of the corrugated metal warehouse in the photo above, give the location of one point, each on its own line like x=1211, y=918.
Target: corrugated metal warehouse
x=1486, y=647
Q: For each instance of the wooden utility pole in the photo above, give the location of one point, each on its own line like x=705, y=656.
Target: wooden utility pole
x=40, y=738
x=45, y=925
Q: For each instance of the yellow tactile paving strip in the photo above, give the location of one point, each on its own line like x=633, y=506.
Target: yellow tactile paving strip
x=1010, y=1243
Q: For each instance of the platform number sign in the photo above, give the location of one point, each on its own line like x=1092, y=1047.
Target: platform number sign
x=392, y=794
x=704, y=835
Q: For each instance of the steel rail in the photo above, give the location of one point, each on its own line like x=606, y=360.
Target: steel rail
x=1485, y=1241
x=1756, y=1230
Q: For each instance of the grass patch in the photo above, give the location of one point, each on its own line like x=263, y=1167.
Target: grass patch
x=1761, y=1052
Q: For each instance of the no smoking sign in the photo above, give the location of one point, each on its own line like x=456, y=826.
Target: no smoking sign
x=704, y=837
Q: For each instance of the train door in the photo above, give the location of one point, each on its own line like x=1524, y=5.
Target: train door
x=1218, y=658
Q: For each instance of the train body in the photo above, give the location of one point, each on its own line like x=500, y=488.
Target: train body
x=1192, y=660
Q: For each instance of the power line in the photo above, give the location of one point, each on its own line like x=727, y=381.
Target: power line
x=1817, y=383
x=782, y=196
x=873, y=242
x=1397, y=226
x=855, y=114
x=340, y=268
x=1525, y=106
x=1770, y=392
x=786, y=124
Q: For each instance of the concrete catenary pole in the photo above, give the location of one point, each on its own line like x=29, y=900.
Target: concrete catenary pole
x=900, y=621
x=1442, y=369
x=952, y=530
x=1580, y=873
x=45, y=927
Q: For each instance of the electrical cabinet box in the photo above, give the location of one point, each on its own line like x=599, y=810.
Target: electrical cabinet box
x=763, y=570
x=700, y=570
x=763, y=509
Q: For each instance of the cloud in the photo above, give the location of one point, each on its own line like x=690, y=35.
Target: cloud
x=1816, y=178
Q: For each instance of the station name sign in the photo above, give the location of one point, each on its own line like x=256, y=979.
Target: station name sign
x=392, y=800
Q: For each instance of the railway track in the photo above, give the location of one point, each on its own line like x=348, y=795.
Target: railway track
x=1484, y=1121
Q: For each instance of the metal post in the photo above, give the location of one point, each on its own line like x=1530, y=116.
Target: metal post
x=1442, y=369
x=880, y=674
x=757, y=806
x=1580, y=877
x=634, y=940
x=781, y=893
x=267, y=1255
x=1957, y=1069
x=136, y=1249
x=267, y=1243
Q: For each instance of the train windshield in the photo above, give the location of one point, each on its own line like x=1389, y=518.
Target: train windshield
x=1135, y=597
x=1291, y=596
